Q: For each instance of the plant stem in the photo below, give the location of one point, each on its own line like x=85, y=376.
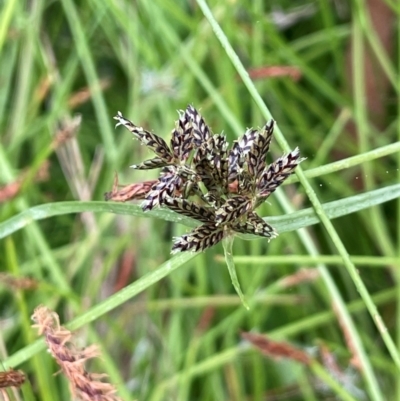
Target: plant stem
x=227, y=243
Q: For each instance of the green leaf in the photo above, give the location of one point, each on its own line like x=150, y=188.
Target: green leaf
x=227, y=243
x=290, y=222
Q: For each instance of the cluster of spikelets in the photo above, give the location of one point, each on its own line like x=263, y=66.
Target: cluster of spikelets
x=84, y=385
x=201, y=178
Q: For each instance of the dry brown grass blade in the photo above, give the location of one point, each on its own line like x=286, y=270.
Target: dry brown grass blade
x=129, y=192
x=275, y=349
x=83, y=95
x=138, y=190
x=67, y=131
x=205, y=320
x=275, y=71
x=11, y=190
x=300, y=277
x=355, y=359
x=330, y=363
x=18, y=283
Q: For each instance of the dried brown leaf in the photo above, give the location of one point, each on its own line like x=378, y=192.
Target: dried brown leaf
x=18, y=283
x=277, y=349
x=135, y=191
x=300, y=277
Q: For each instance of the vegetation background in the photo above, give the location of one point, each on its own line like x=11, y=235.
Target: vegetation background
x=169, y=328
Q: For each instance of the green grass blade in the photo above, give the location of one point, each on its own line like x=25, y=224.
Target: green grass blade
x=370, y=378
x=285, y=223
x=227, y=243
x=107, y=305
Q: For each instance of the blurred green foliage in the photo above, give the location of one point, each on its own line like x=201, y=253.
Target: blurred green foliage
x=330, y=78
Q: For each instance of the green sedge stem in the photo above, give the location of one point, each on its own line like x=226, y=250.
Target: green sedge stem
x=227, y=243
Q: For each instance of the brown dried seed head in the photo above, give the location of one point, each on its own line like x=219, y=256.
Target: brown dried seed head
x=12, y=378
x=84, y=385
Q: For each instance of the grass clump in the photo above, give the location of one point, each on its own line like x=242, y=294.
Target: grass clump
x=169, y=326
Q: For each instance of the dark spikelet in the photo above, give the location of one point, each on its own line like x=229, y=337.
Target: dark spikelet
x=277, y=172
x=245, y=184
x=238, y=155
x=263, y=141
x=246, y=141
x=156, y=162
x=204, y=171
x=187, y=173
x=212, y=199
x=234, y=167
x=152, y=141
x=165, y=187
x=201, y=132
x=190, y=209
x=189, y=189
x=218, y=160
x=255, y=157
x=217, y=150
x=211, y=164
x=200, y=239
x=232, y=209
x=157, y=145
x=182, y=138
x=255, y=225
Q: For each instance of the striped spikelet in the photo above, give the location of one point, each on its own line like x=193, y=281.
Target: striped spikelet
x=203, y=179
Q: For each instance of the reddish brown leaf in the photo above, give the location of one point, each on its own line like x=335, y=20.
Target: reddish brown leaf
x=135, y=191
x=276, y=349
x=275, y=71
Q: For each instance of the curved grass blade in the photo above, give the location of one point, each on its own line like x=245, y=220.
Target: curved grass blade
x=371, y=380
x=107, y=305
x=227, y=244
x=285, y=223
